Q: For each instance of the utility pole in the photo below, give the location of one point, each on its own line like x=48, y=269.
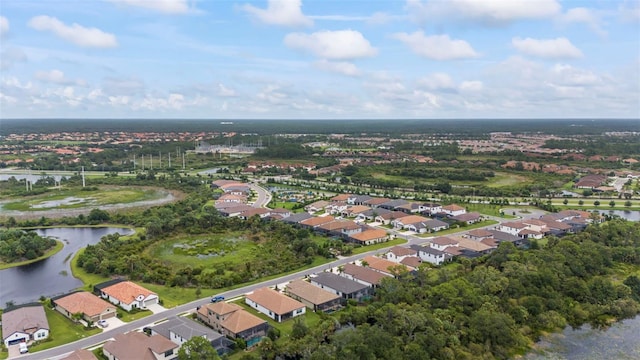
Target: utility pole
x=183, y=162
x=151, y=160
x=83, y=182
x=134, y=162
x=169, y=160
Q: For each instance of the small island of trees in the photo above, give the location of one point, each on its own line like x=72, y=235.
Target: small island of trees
x=18, y=245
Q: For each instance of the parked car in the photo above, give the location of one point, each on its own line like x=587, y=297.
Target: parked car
x=217, y=298
x=103, y=323
x=23, y=348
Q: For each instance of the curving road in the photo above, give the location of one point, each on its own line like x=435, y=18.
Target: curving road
x=264, y=196
x=149, y=320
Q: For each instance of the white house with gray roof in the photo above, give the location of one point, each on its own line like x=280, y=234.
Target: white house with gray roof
x=24, y=324
x=345, y=288
x=181, y=329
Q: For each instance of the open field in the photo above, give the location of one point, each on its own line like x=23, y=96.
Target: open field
x=507, y=179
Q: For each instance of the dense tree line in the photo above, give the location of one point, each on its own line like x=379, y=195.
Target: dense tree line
x=489, y=308
x=17, y=245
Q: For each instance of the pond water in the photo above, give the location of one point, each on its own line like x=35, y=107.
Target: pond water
x=51, y=276
x=625, y=214
x=619, y=342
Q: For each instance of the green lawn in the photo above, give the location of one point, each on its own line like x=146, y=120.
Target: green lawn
x=131, y=316
x=460, y=229
x=364, y=249
x=62, y=331
x=310, y=318
x=59, y=245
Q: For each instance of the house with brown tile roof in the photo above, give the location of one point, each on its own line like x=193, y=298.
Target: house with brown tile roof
x=442, y=242
x=413, y=261
x=387, y=217
x=129, y=295
x=341, y=197
x=80, y=354
x=479, y=234
x=398, y=253
x=233, y=321
x=363, y=274
x=468, y=218
x=375, y=202
x=453, y=210
x=354, y=210
x=139, y=346
x=370, y=236
x=260, y=212
x=90, y=306
x=339, y=227
x=313, y=297
x=316, y=221
x=384, y=265
x=275, y=305
x=24, y=324
x=316, y=206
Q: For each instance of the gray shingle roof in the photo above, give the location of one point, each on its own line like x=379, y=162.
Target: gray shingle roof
x=339, y=283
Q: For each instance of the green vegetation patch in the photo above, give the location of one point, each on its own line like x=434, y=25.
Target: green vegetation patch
x=508, y=179
x=206, y=250
x=83, y=197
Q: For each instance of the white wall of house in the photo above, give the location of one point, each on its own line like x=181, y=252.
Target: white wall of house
x=348, y=276
x=510, y=230
x=440, y=247
x=40, y=334
x=454, y=212
x=431, y=258
x=16, y=336
x=261, y=308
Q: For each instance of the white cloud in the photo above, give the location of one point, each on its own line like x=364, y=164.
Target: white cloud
x=226, y=92
x=340, y=67
x=10, y=57
x=570, y=76
x=4, y=26
x=280, y=12
x=336, y=45
x=57, y=77
x=437, y=81
x=630, y=11
x=163, y=6
x=123, y=86
x=585, y=16
x=77, y=34
x=471, y=86
x=491, y=12
x=558, y=48
x=437, y=47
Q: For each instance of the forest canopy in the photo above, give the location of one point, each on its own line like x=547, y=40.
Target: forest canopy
x=16, y=245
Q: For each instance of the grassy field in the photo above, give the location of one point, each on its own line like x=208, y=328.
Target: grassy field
x=62, y=331
x=78, y=198
x=507, y=179
x=206, y=250
x=56, y=249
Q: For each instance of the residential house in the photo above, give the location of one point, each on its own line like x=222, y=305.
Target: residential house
x=260, y=212
x=499, y=236
x=370, y=214
x=91, y=307
x=139, y=346
x=411, y=261
x=369, y=237
x=398, y=253
x=233, y=209
x=128, y=295
x=231, y=198
x=274, y=304
x=468, y=218
x=471, y=248
x=376, y=202
x=590, y=182
x=383, y=265
x=358, y=199
x=453, y=210
x=389, y=216
x=363, y=275
x=342, y=227
x=316, y=206
x=340, y=198
x=282, y=213
x=24, y=324
x=336, y=207
x=479, y=234
x=355, y=210
x=442, y=242
x=341, y=286
x=393, y=204
x=512, y=227
x=431, y=255
x=408, y=208
x=314, y=222
x=430, y=208
x=180, y=329
x=297, y=218
x=233, y=321
x=433, y=225
x=315, y=298
x=80, y=354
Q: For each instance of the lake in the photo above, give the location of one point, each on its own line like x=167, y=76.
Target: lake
x=625, y=214
x=619, y=342
x=51, y=276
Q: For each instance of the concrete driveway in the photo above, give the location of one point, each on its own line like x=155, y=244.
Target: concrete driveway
x=14, y=351
x=113, y=322
x=156, y=308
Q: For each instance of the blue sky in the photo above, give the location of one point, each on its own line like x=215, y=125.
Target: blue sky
x=299, y=59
